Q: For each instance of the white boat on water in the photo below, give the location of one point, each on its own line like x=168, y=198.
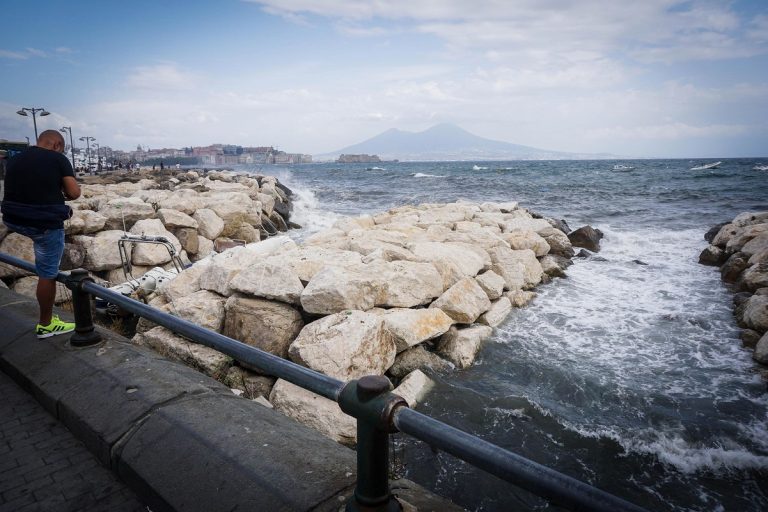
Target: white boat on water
x=704, y=167
x=622, y=167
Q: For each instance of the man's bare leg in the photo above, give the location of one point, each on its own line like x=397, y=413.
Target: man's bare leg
x=46, y=295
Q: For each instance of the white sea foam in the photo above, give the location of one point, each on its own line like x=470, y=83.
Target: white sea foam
x=424, y=175
x=624, y=337
x=478, y=168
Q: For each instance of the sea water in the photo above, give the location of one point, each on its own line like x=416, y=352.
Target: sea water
x=628, y=374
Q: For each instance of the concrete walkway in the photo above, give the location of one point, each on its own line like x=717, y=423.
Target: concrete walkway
x=44, y=468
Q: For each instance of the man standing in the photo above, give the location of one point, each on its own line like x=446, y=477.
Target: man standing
x=36, y=184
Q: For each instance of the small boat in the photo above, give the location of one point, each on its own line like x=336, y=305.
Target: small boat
x=622, y=167
x=760, y=168
x=704, y=167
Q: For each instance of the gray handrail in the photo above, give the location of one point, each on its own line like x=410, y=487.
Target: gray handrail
x=368, y=399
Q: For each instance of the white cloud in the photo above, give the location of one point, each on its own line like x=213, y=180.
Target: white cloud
x=36, y=53
x=7, y=54
x=162, y=77
x=668, y=131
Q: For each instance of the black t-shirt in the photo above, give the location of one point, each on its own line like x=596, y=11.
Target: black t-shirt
x=36, y=177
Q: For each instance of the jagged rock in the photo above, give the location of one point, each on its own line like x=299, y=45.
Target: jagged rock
x=497, y=313
x=460, y=346
x=101, y=251
x=558, y=242
x=203, y=308
x=73, y=257
x=761, y=350
x=464, y=256
x=176, y=219
x=314, y=411
x=755, y=313
x=409, y=327
x=278, y=221
x=183, y=200
x=205, y=359
x=712, y=255
x=750, y=218
x=759, y=257
x=27, y=286
x=586, y=237
x=733, y=267
x=757, y=245
x=558, y=224
x=210, y=225
x=518, y=240
x=520, y=269
x=554, y=265
x=345, y=345
x=152, y=254
x=520, y=298
x=308, y=261
x=186, y=283
x=204, y=249
x=710, y=235
x=746, y=235
x=724, y=235
x=335, y=289
x=20, y=247
x=754, y=277
x=84, y=222
x=122, y=213
x=524, y=224
x=749, y=338
x=251, y=384
x=264, y=324
x=188, y=238
x=270, y=282
x=491, y=283
x=414, y=387
x=464, y=302
x=408, y=283
x=417, y=358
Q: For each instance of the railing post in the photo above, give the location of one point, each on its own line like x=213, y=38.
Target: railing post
x=85, y=334
x=368, y=399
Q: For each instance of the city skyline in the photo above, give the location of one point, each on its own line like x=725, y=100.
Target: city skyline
x=662, y=78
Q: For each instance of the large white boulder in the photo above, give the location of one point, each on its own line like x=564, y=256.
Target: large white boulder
x=186, y=283
x=460, y=346
x=152, y=254
x=183, y=200
x=269, y=281
x=335, y=289
x=308, y=261
x=520, y=269
x=123, y=212
x=407, y=283
x=345, y=345
x=414, y=387
x=264, y=324
x=314, y=411
x=409, y=327
x=464, y=302
x=84, y=222
x=464, y=256
x=176, y=219
x=210, y=225
x=755, y=314
x=101, y=250
x=203, y=308
x=498, y=312
x=491, y=283
x=525, y=239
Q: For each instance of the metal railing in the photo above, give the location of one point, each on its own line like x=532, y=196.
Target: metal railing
x=368, y=399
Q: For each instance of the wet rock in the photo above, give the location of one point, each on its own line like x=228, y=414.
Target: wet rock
x=460, y=346
x=733, y=267
x=712, y=255
x=417, y=358
x=586, y=237
x=755, y=314
x=749, y=338
x=414, y=387
x=558, y=242
x=754, y=278
x=710, y=235
x=761, y=350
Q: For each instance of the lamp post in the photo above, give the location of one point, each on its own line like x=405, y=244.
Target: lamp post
x=23, y=112
x=66, y=129
x=88, y=141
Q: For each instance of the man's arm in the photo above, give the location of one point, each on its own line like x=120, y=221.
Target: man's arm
x=70, y=187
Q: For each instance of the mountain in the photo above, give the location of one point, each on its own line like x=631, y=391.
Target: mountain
x=446, y=142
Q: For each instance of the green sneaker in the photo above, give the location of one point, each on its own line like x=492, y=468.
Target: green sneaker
x=55, y=328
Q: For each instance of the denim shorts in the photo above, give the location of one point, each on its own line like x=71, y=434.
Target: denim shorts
x=49, y=248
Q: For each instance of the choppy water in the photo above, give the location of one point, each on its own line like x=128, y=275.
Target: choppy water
x=628, y=376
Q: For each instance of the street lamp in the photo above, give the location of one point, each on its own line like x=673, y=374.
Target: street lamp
x=88, y=141
x=65, y=129
x=43, y=112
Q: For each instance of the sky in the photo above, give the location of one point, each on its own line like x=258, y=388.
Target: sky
x=651, y=78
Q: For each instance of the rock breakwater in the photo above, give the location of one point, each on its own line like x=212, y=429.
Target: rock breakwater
x=740, y=249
